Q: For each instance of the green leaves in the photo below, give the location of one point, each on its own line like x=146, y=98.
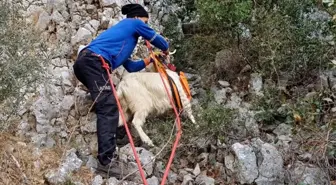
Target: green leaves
x=224, y=13
x=22, y=57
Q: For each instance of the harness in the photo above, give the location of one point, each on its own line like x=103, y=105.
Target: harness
x=161, y=68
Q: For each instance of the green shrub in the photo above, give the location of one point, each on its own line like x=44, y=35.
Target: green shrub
x=284, y=42
x=216, y=15
x=282, y=38
x=22, y=54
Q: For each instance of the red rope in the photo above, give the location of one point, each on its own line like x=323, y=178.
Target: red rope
x=178, y=127
x=178, y=136
x=178, y=123
x=105, y=65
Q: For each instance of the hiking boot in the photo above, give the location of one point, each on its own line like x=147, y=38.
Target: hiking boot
x=111, y=170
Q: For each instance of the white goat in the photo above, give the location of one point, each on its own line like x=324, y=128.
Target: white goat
x=142, y=94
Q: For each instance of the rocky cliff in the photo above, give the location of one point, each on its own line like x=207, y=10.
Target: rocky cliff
x=57, y=141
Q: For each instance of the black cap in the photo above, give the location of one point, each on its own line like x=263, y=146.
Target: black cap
x=134, y=10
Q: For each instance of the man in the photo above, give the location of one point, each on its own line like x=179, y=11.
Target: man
x=115, y=45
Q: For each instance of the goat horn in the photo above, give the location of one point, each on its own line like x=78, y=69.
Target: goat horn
x=172, y=53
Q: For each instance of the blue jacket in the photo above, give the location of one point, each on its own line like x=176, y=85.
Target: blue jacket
x=117, y=43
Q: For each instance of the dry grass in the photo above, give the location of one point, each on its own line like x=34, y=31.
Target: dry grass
x=319, y=143
x=84, y=176
x=21, y=163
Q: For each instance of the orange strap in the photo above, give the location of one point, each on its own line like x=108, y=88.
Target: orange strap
x=161, y=69
x=185, y=84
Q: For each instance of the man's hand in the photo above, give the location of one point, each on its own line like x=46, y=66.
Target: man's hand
x=166, y=52
x=148, y=60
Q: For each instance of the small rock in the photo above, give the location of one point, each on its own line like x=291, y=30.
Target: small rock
x=247, y=163
x=229, y=162
x=283, y=129
x=111, y=3
x=204, y=180
x=220, y=96
x=271, y=167
x=307, y=174
x=57, y=17
x=83, y=101
x=89, y=27
x=181, y=174
x=104, y=22
x=246, y=68
x=203, y=159
x=71, y=163
x=187, y=180
x=153, y=181
x=94, y=24
x=145, y=156
x=333, y=88
x=197, y=170
x=90, y=8
x=98, y=180
x=310, y=95
x=172, y=177
x=251, y=124
x=221, y=170
x=333, y=109
x=43, y=21
x=23, y=127
x=270, y=138
x=77, y=183
x=234, y=102
x=112, y=181
x=88, y=123
x=41, y=140
x=43, y=111
x=67, y=103
x=82, y=35
x=256, y=83
x=112, y=22
x=189, y=170
x=305, y=157
x=92, y=163
x=224, y=83
x=50, y=142
x=202, y=144
x=246, y=33
x=159, y=169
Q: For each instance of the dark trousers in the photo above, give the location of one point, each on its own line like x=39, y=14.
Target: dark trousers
x=88, y=70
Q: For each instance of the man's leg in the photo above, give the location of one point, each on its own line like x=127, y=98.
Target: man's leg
x=107, y=122
x=96, y=80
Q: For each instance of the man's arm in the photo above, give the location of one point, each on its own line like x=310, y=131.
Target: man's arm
x=135, y=66
x=149, y=34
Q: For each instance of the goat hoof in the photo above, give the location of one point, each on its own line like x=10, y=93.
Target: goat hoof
x=148, y=145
